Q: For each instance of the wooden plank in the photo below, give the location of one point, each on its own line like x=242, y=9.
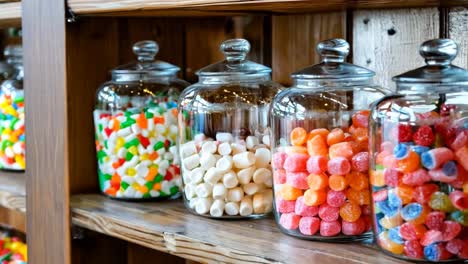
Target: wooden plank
x=10, y=14
x=12, y=191
x=387, y=41
x=168, y=227
x=95, y=248
x=294, y=39
x=48, y=211
x=137, y=254
x=13, y=219
x=458, y=31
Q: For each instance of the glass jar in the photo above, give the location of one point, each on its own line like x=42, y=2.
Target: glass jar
x=225, y=137
x=320, y=148
x=419, y=160
x=12, y=137
x=135, y=121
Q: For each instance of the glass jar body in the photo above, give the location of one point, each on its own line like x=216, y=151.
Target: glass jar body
x=136, y=129
x=418, y=174
x=320, y=155
x=225, y=148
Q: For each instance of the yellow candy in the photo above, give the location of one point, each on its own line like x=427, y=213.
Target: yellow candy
x=133, y=150
x=23, y=250
x=391, y=222
x=143, y=189
x=119, y=142
x=136, y=186
x=131, y=172
x=15, y=245
x=144, y=156
x=20, y=160
x=387, y=244
x=465, y=187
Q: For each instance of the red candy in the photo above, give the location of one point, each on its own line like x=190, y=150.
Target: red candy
x=304, y=210
x=410, y=231
x=423, y=193
x=353, y=228
x=459, y=199
x=317, y=164
x=392, y=177
x=435, y=220
x=431, y=237
x=328, y=213
x=455, y=246
x=296, y=162
x=332, y=228
x=404, y=133
x=339, y=166
x=413, y=249
x=416, y=178
x=309, y=225
x=450, y=230
x=297, y=180
x=424, y=136
x=360, y=162
x=336, y=198
x=290, y=221
x=284, y=206
x=380, y=195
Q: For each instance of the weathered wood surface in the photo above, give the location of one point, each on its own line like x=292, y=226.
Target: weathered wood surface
x=387, y=41
x=168, y=227
x=12, y=191
x=12, y=219
x=458, y=31
x=10, y=14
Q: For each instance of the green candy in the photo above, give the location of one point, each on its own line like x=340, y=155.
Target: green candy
x=101, y=155
x=440, y=201
x=174, y=190
x=100, y=127
x=18, y=99
x=13, y=123
x=6, y=144
x=149, y=115
x=128, y=156
x=379, y=167
x=127, y=123
x=159, y=145
x=124, y=185
x=149, y=185
x=107, y=176
x=460, y=217
x=146, y=195
x=134, y=142
x=158, y=178
x=105, y=144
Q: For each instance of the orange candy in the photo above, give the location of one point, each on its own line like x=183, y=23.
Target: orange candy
x=377, y=178
x=387, y=244
x=422, y=217
x=151, y=174
x=298, y=136
x=290, y=193
x=315, y=198
x=158, y=120
x=153, y=155
x=405, y=192
x=391, y=222
x=111, y=191
x=115, y=181
x=295, y=149
x=357, y=180
x=343, y=149
x=116, y=125
x=350, y=212
x=335, y=136
x=358, y=197
x=142, y=121
x=317, y=181
x=337, y=182
x=410, y=163
x=323, y=132
x=317, y=146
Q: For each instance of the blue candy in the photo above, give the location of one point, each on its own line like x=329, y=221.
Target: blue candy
x=450, y=168
x=419, y=149
x=432, y=252
x=386, y=209
x=21, y=138
x=394, y=235
x=394, y=201
x=411, y=211
x=427, y=160
x=401, y=151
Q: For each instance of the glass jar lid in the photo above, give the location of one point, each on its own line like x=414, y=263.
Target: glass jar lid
x=438, y=54
x=146, y=67
x=333, y=53
x=235, y=65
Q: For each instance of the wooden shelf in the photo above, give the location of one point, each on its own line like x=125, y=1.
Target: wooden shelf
x=13, y=191
x=10, y=14
x=168, y=227
x=216, y=7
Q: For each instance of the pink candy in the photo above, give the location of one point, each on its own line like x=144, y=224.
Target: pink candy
x=336, y=198
x=278, y=160
x=332, y=228
x=360, y=162
x=416, y=178
x=309, y=225
x=328, y=213
x=317, y=164
x=460, y=141
x=462, y=157
x=431, y=237
x=284, y=206
x=339, y=166
x=290, y=221
x=434, y=158
x=459, y=199
x=304, y=210
x=296, y=162
x=297, y=180
x=353, y=228
x=279, y=176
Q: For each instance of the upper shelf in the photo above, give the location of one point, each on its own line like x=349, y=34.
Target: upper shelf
x=194, y=7
x=168, y=227
x=10, y=13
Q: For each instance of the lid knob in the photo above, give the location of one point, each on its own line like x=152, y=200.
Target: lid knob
x=439, y=51
x=146, y=50
x=333, y=50
x=235, y=50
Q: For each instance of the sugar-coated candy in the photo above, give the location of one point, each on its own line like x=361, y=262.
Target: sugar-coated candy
x=315, y=198
x=357, y=181
x=450, y=230
x=436, y=252
x=403, y=132
x=302, y=209
x=416, y=178
x=360, y=162
x=424, y=136
x=298, y=136
x=431, y=237
x=440, y=201
x=336, y=198
x=392, y=177
x=317, y=181
x=328, y=229
x=435, y=220
x=290, y=193
x=279, y=176
x=284, y=206
x=328, y=213
x=350, y=211
x=459, y=199
x=297, y=180
x=317, y=146
x=461, y=217
x=435, y=158
x=389, y=222
x=309, y=225
x=411, y=211
x=395, y=236
x=338, y=165
x=343, y=150
x=419, y=149
x=317, y=164
x=337, y=182
x=289, y=220
x=386, y=243
x=278, y=160
x=454, y=246
x=411, y=231
x=462, y=157
x=410, y=163
x=353, y=228
x=413, y=249
x=296, y=163
x=380, y=195
x=401, y=151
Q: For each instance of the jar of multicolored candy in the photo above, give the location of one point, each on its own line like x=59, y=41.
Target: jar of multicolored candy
x=12, y=138
x=320, y=149
x=419, y=160
x=225, y=137
x=136, y=128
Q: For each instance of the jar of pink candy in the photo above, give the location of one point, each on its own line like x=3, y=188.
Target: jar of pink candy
x=136, y=128
x=419, y=160
x=225, y=137
x=320, y=149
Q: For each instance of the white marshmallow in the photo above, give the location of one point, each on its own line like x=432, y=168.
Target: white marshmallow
x=245, y=175
x=224, y=137
x=212, y=175
x=207, y=160
x=251, y=142
x=251, y=188
x=141, y=170
x=262, y=204
x=266, y=140
x=235, y=194
x=217, y=208
x=224, y=148
x=230, y=179
x=224, y=164
x=261, y=175
x=191, y=162
x=246, y=207
x=203, y=205
x=238, y=148
x=231, y=208
x=244, y=160
x=262, y=157
x=209, y=146
x=193, y=202
x=204, y=190
x=189, y=190
x=196, y=176
x=219, y=191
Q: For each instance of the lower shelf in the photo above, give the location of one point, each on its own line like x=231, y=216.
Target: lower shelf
x=13, y=191
x=168, y=227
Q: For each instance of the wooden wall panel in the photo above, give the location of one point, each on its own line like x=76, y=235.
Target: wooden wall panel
x=137, y=254
x=458, y=31
x=95, y=248
x=295, y=37
x=387, y=41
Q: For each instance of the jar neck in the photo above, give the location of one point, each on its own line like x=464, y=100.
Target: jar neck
x=141, y=77
x=331, y=83
x=227, y=79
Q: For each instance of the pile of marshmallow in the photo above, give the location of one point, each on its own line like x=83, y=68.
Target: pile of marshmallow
x=228, y=176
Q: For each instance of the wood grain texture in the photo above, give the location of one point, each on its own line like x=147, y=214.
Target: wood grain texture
x=168, y=227
x=387, y=41
x=45, y=83
x=12, y=219
x=10, y=14
x=12, y=191
x=295, y=37
x=458, y=31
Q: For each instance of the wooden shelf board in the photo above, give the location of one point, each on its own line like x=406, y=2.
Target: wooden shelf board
x=168, y=227
x=198, y=7
x=13, y=191
x=10, y=14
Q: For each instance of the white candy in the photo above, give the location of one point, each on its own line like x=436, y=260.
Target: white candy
x=136, y=128
x=224, y=149
x=193, y=202
x=17, y=148
x=209, y=146
x=188, y=149
x=204, y=190
x=129, y=137
x=189, y=190
x=191, y=162
x=121, y=153
x=238, y=148
x=235, y=194
x=212, y=176
x=160, y=128
x=251, y=188
x=203, y=205
x=261, y=175
x=124, y=132
x=245, y=175
x=217, y=208
x=262, y=157
x=141, y=170
x=154, y=193
x=230, y=179
x=219, y=191
x=231, y=208
x=9, y=152
x=251, y=142
x=224, y=164
x=266, y=140
x=207, y=160
x=140, y=181
x=199, y=137
x=224, y=137
x=244, y=160
x=246, y=207
x=196, y=176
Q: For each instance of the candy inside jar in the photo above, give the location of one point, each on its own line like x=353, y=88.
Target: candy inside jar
x=136, y=129
x=419, y=161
